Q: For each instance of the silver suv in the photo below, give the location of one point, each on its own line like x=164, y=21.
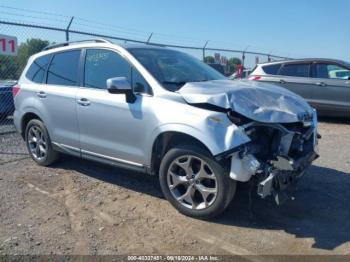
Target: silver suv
x=163, y=112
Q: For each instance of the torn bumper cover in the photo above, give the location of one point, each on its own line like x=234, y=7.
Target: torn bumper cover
x=281, y=178
x=280, y=161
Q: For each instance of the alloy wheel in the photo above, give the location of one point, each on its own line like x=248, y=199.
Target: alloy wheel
x=192, y=182
x=37, y=143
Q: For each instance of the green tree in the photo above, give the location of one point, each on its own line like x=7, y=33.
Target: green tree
x=12, y=67
x=209, y=59
x=233, y=62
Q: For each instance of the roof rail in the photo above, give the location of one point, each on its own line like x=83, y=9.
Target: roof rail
x=96, y=40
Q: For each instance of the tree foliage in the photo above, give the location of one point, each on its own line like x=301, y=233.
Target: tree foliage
x=11, y=67
x=209, y=60
x=233, y=62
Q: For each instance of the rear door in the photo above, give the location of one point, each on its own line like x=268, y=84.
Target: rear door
x=296, y=78
x=57, y=99
x=332, y=87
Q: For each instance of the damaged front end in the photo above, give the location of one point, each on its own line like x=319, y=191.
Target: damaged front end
x=281, y=127
x=277, y=155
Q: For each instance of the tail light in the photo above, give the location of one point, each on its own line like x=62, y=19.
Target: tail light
x=254, y=78
x=15, y=90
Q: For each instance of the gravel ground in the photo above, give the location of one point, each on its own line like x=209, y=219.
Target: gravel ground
x=80, y=207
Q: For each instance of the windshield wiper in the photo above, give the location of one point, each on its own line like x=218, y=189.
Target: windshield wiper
x=202, y=80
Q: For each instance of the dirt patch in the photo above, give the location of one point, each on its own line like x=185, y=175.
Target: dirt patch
x=80, y=207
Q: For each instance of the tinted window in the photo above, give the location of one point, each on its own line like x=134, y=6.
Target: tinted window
x=36, y=71
x=271, y=69
x=299, y=70
x=64, y=68
x=331, y=71
x=101, y=65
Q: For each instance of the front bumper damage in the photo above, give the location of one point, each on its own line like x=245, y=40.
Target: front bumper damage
x=277, y=156
x=280, y=126
x=281, y=178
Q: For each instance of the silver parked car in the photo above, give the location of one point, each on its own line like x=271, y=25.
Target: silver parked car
x=163, y=112
x=324, y=83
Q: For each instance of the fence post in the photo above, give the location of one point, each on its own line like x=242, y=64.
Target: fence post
x=204, y=50
x=243, y=58
x=149, y=38
x=243, y=55
x=67, y=29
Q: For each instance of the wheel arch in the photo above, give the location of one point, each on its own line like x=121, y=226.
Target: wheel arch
x=25, y=120
x=167, y=140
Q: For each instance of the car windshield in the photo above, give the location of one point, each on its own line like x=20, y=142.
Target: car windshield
x=173, y=69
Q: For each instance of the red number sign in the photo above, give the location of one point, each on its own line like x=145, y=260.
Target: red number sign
x=8, y=45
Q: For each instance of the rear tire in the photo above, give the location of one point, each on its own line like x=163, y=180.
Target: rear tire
x=39, y=143
x=194, y=183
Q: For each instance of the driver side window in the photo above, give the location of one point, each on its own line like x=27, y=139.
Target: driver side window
x=331, y=71
x=102, y=64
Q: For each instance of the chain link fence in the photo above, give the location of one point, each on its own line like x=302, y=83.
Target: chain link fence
x=33, y=38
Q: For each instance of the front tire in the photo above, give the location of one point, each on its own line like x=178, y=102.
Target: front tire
x=194, y=183
x=39, y=143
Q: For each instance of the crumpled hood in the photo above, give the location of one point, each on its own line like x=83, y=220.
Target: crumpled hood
x=258, y=101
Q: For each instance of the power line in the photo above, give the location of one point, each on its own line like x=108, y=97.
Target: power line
x=108, y=29
x=34, y=17
x=33, y=11
x=24, y=22
x=111, y=26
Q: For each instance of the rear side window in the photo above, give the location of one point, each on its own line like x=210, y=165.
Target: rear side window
x=36, y=71
x=271, y=69
x=298, y=70
x=63, y=69
x=101, y=65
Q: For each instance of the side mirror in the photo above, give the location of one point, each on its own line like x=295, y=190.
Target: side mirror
x=118, y=85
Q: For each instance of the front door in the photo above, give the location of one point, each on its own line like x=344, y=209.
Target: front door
x=332, y=87
x=111, y=128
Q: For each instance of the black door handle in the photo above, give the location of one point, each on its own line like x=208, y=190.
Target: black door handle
x=321, y=84
x=282, y=81
x=83, y=102
x=41, y=94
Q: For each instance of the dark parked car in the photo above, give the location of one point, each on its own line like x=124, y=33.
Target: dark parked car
x=6, y=99
x=218, y=67
x=324, y=83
